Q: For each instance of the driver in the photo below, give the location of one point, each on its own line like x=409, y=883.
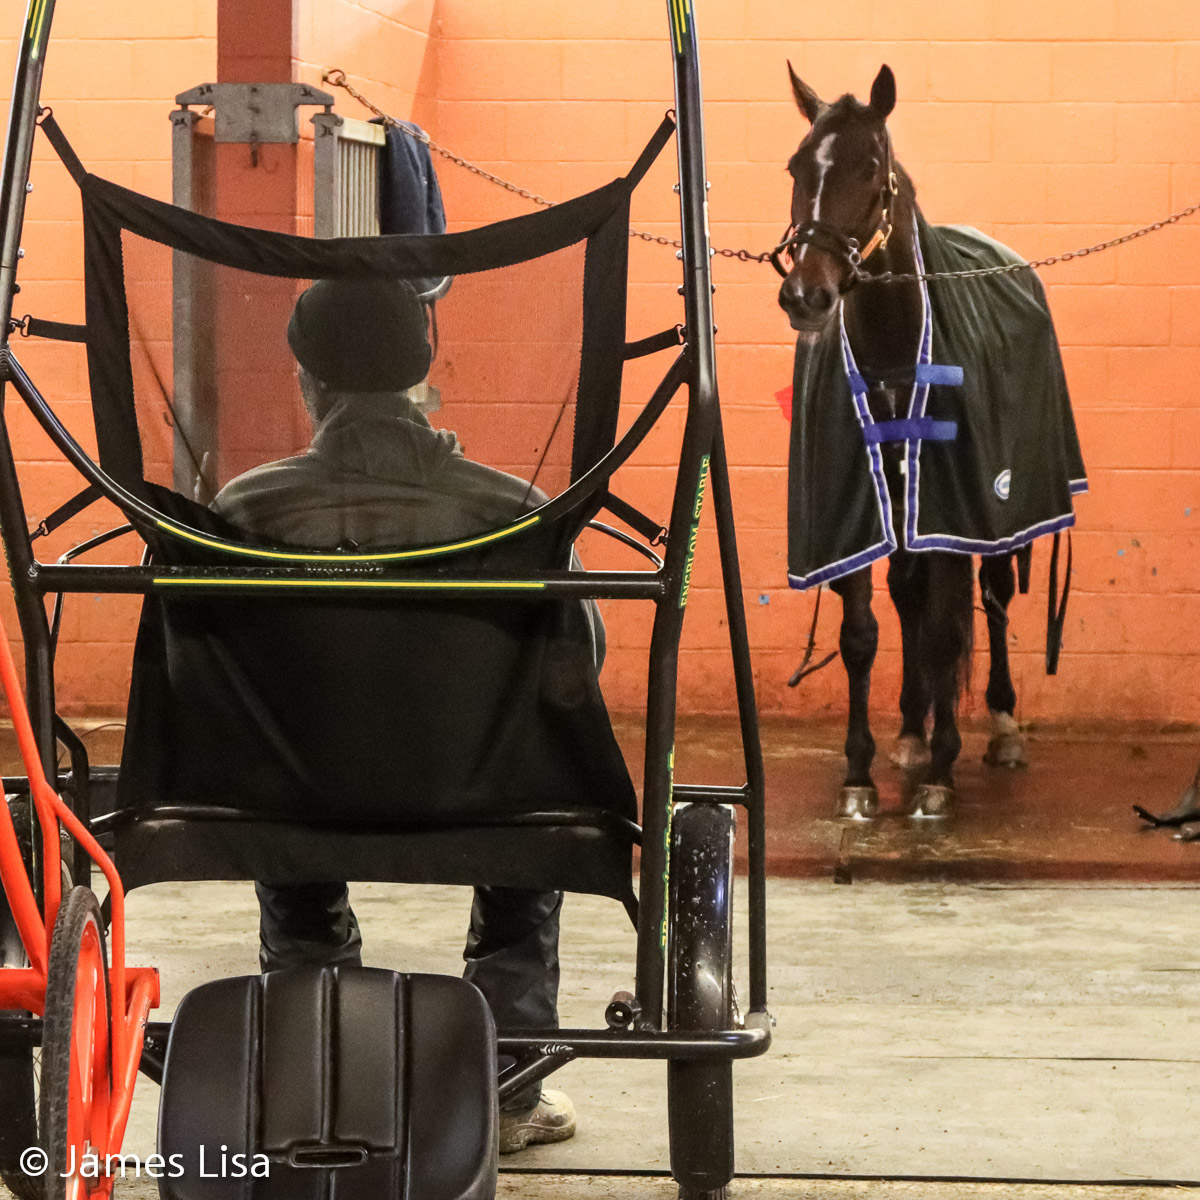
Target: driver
x=378, y=474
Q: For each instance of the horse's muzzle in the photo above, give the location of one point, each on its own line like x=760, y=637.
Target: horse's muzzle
x=809, y=309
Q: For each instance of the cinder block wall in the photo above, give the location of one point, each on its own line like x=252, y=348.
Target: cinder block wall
x=1049, y=126
x=111, y=76
x=386, y=48
x=112, y=73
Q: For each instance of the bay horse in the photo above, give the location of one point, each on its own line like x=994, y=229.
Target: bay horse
x=854, y=210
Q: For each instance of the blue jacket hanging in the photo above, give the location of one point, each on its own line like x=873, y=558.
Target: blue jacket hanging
x=410, y=200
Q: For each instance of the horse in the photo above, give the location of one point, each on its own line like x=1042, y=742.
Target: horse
x=854, y=216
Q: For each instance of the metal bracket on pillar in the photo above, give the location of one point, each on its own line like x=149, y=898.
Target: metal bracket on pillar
x=255, y=113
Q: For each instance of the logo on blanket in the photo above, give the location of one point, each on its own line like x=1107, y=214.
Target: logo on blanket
x=1003, y=484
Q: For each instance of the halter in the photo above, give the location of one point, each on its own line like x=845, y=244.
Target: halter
x=833, y=241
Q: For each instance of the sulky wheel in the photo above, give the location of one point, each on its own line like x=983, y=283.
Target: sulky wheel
x=76, y=1062
x=700, y=996
x=19, y=1061
x=18, y=1114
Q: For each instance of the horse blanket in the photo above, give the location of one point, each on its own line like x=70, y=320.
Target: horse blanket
x=991, y=459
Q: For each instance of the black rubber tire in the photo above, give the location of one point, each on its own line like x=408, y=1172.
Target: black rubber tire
x=20, y=809
x=79, y=909
x=12, y=953
x=700, y=996
x=19, y=1100
x=18, y=1095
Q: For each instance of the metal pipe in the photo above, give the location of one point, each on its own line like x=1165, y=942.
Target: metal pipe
x=14, y=186
x=522, y=1074
x=750, y=1042
x=647, y=1043
x=103, y=775
x=229, y=581
x=685, y=516
x=743, y=673
x=31, y=614
x=703, y=793
x=18, y=148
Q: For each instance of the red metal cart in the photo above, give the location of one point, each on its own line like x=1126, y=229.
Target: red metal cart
x=94, y=1014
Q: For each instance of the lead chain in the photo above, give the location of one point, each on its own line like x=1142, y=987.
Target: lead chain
x=1033, y=264
x=338, y=78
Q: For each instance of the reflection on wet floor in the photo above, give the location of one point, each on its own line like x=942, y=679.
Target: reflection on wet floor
x=1067, y=816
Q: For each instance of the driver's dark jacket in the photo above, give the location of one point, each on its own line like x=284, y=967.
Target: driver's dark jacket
x=378, y=474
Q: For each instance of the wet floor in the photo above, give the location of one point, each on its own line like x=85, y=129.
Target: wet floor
x=1067, y=816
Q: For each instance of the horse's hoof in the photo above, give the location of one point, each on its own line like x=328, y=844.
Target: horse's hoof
x=910, y=753
x=1007, y=745
x=932, y=801
x=857, y=804
x=1007, y=750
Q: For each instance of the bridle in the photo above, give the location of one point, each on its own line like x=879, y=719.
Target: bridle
x=833, y=241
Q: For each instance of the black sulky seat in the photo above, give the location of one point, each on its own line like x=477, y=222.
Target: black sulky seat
x=343, y=736
x=347, y=724
x=420, y=739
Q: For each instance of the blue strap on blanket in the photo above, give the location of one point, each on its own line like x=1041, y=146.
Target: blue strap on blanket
x=924, y=429
x=938, y=375
x=924, y=374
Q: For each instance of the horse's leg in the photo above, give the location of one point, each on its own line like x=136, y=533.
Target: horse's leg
x=997, y=586
x=906, y=583
x=858, y=642
x=946, y=649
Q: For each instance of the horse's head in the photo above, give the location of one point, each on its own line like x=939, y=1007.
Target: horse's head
x=844, y=187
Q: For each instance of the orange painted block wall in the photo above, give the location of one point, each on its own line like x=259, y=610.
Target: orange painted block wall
x=1048, y=126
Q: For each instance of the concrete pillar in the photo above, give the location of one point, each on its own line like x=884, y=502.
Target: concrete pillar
x=260, y=417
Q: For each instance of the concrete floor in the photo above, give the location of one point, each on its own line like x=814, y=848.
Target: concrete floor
x=939, y=1025
x=567, y=1188
x=923, y=1029
x=577, y=1187
x=930, y=1029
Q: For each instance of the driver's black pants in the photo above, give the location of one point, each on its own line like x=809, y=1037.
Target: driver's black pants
x=511, y=953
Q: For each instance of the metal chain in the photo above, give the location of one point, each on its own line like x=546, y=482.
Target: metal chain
x=1032, y=264
x=337, y=78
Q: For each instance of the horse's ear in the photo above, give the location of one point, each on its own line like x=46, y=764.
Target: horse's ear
x=809, y=103
x=883, y=93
